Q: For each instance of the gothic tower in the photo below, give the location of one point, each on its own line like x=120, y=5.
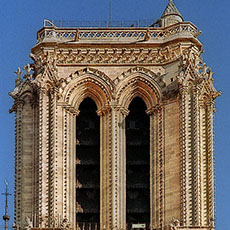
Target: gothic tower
x=114, y=129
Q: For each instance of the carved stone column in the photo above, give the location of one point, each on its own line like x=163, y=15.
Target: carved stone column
x=69, y=164
x=43, y=158
x=18, y=155
x=210, y=166
x=157, y=190
x=185, y=146
x=53, y=160
x=195, y=155
x=113, y=170
x=191, y=157
x=207, y=164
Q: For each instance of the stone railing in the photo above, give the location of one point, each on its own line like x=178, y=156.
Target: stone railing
x=53, y=33
x=87, y=226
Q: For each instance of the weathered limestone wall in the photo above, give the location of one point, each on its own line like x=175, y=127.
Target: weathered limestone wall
x=172, y=162
x=27, y=160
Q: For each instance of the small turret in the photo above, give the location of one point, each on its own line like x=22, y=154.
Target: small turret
x=171, y=15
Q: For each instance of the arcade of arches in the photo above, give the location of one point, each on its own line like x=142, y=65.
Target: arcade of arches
x=114, y=129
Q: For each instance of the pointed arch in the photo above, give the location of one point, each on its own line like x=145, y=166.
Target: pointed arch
x=90, y=83
x=139, y=82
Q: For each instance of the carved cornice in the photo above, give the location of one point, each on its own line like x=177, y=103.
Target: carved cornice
x=110, y=56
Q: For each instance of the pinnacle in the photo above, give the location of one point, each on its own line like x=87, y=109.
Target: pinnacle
x=171, y=10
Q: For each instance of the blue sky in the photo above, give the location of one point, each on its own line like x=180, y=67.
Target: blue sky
x=20, y=20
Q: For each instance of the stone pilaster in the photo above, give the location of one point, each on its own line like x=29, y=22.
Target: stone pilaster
x=53, y=160
x=185, y=145
x=18, y=160
x=195, y=145
x=43, y=158
x=69, y=165
x=210, y=166
x=157, y=177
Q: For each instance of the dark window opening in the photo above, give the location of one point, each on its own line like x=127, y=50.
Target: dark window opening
x=137, y=165
x=88, y=166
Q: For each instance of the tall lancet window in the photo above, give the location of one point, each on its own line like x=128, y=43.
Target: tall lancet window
x=137, y=165
x=88, y=167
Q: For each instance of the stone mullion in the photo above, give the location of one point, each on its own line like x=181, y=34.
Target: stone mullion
x=43, y=157
x=18, y=161
x=210, y=162
x=105, y=169
x=116, y=173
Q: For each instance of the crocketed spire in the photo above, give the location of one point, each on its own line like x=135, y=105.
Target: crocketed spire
x=171, y=15
x=171, y=10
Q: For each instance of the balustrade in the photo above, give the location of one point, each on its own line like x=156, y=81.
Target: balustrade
x=119, y=34
x=96, y=226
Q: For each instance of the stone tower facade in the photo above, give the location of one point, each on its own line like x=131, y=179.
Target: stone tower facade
x=114, y=129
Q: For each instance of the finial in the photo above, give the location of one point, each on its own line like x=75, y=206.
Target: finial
x=27, y=68
x=6, y=218
x=18, y=80
x=19, y=73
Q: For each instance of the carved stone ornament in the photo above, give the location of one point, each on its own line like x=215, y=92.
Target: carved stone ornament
x=174, y=224
x=65, y=224
x=29, y=223
x=28, y=69
x=113, y=55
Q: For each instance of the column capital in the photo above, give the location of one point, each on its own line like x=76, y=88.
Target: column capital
x=112, y=107
x=154, y=110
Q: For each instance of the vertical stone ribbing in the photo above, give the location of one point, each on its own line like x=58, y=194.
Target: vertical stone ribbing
x=65, y=165
x=118, y=173
x=161, y=166
x=18, y=163
x=203, y=164
x=53, y=159
x=110, y=174
x=190, y=161
x=112, y=168
x=43, y=157
x=157, y=174
x=68, y=157
x=122, y=163
x=36, y=164
x=115, y=175
x=153, y=168
x=103, y=162
x=210, y=167
x=196, y=157
x=187, y=152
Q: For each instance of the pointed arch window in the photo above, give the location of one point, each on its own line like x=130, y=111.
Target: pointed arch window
x=137, y=164
x=88, y=166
